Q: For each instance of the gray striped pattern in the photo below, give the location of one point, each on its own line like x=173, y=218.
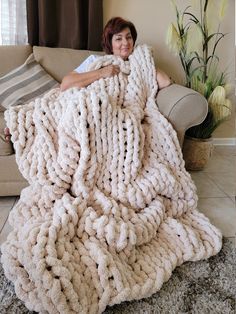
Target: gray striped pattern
x=24, y=83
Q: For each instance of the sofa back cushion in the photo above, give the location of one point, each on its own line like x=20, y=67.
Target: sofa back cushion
x=60, y=61
x=11, y=56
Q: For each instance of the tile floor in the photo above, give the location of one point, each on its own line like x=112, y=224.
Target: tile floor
x=216, y=186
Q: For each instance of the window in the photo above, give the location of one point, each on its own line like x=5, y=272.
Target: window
x=13, y=26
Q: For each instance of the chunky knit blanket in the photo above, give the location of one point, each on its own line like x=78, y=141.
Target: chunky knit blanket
x=110, y=210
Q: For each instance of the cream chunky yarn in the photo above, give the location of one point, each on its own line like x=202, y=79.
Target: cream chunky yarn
x=110, y=210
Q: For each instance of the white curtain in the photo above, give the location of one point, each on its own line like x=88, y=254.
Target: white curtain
x=13, y=28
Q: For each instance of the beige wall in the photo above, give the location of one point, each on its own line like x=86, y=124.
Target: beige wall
x=152, y=17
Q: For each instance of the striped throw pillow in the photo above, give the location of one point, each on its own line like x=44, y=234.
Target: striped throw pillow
x=24, y=83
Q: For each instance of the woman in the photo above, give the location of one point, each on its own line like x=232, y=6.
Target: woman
x=118, y=38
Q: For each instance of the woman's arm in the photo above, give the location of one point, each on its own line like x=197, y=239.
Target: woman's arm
x=163, y=79
x=74, y=79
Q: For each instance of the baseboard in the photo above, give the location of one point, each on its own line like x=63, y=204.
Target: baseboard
x=228, y=141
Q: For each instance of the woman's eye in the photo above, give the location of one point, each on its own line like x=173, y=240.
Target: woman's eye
x=127, y=38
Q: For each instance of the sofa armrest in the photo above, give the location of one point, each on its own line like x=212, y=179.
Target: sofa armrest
x=182, y=106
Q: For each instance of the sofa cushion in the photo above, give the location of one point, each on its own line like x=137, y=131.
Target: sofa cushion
x=6, y=148
x=24, y=83
x=60, y=61
x=12, y=56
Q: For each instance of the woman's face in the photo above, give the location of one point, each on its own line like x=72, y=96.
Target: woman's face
x=122, y=43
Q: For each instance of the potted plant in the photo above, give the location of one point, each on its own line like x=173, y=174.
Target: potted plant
x=195, y=42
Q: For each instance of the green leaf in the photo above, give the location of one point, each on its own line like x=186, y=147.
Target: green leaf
x=194, y=19
x=217, y=41
x=211, y=57
x=214, y=48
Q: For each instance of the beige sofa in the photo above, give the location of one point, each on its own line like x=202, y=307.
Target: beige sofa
x=182, y=106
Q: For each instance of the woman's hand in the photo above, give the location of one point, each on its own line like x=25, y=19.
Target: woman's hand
x=80, y=80
x=109, y=70
x=7, y=135
x=163, y=80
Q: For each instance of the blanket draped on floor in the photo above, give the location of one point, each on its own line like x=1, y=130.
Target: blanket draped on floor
x=110, y=210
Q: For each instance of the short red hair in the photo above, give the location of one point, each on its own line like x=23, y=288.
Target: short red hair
x=114, y=26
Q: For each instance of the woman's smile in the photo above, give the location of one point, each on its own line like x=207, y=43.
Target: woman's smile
x=123, y=43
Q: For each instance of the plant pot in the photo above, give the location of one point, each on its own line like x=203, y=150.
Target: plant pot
x=196, y=152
